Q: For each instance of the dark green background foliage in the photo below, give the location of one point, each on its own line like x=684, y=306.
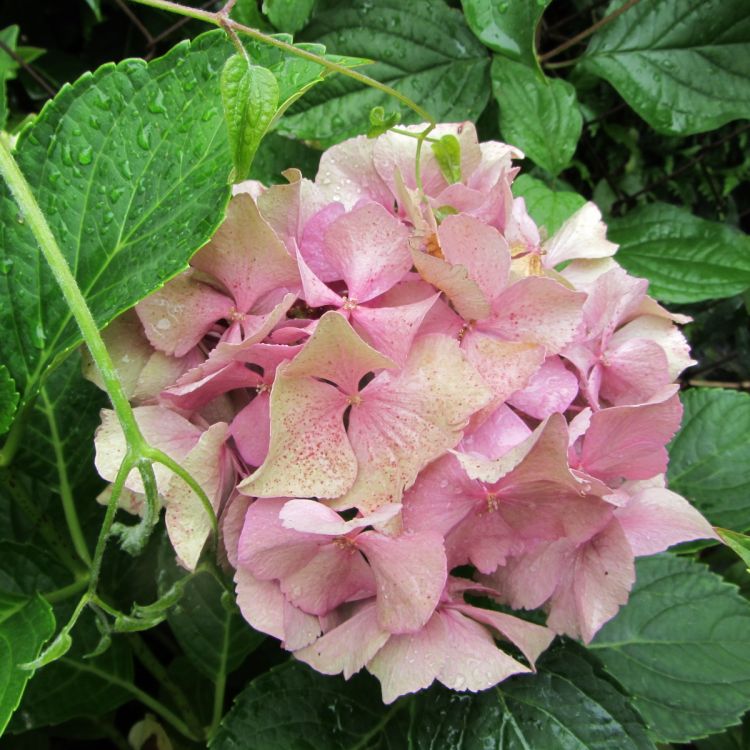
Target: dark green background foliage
x=648, y=116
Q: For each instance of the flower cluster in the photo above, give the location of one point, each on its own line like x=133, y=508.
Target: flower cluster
x=406, y=405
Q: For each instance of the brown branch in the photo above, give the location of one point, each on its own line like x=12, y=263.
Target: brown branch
x=586, y=33
x=28, y=68
x=135, y=21
x=742, y=385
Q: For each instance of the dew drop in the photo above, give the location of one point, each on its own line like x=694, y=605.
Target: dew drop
x=94, y=122
x=85, y=155
x=38, y=336
x=144, y=137
x=156, y=105
x=6, y=264
x=67, y=156
x=163, y=324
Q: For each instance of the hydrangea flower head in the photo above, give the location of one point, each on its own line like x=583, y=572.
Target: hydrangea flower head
x=411, y=413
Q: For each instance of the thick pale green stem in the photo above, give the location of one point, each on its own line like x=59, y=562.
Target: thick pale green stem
x=221, y=20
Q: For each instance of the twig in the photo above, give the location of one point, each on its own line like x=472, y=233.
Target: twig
x=28, y=68
x=742, y=385
x=586, y=33
x=128, y=11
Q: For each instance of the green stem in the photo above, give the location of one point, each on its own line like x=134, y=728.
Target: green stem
x=147, y=700
x=144, y=654
x=220, y=683
x=66, y=492
x=60, y=595
x=13, y=440
x=218, y=20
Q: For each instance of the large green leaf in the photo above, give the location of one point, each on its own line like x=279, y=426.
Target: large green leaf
x=206, y=621
x=549, y=208
x=292, y=707
x=681, y=647
x=683, y=65
x=130, y=167
x=568, y=705
x=423, y=49
x=686, y=258
x=288, y=15
x=76, y=685
x=539, y=115
x=507, y=26
x=709, y=459
x=26, y=621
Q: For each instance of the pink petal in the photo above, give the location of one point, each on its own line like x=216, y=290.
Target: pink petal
x=531, y=639
x=337, y=354
x=269, y=550
x=314, y=291
x=251, y=430
x=628, y=441
x=661, y=331
x=537, y=310
x=231, y=523
x=193, y=395
x=347, y=174
x=595, y=586
x=474, y=662
x=187, y=520
x=656, y=518
x=336, y=651
x=407, y=663
x=482, y=250
x=405, y=421
x=496, y=435
x=583, y=235
x=410, y=573
x=247, y=256
x=312, y=242
x=505, y=366
x=313, y=517
x=634, y=372
x=164, y=318
x=552, y=388
x=464, y=293
x=333, y=576
x=162, y=428
x=309, y=454
x=261, y=603
x=391, y=330
x=368, y=247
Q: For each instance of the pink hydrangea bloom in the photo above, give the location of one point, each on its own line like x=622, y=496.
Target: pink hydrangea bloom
x=398, y=402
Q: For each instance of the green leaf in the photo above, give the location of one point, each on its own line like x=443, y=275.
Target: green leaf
x=539, y=115
x=8, y=68
x=548, y=208
x=250, y=96
x=291, y=707
x=26, y=622
x=96, y=8
x=76, y=686
x=682, y=65
x=681, y=648
x=26, y=619
x=685, y=258
x=709, y=458
x=381, y=123
x=738, y=543
x=568, y=705
x=129, y=165
x=8, y=399
x=207, y=625
x=289, y=15
x=424, y=50
x=448, y=155
x=507, y=26
x=277, y=154
x=246, y=12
